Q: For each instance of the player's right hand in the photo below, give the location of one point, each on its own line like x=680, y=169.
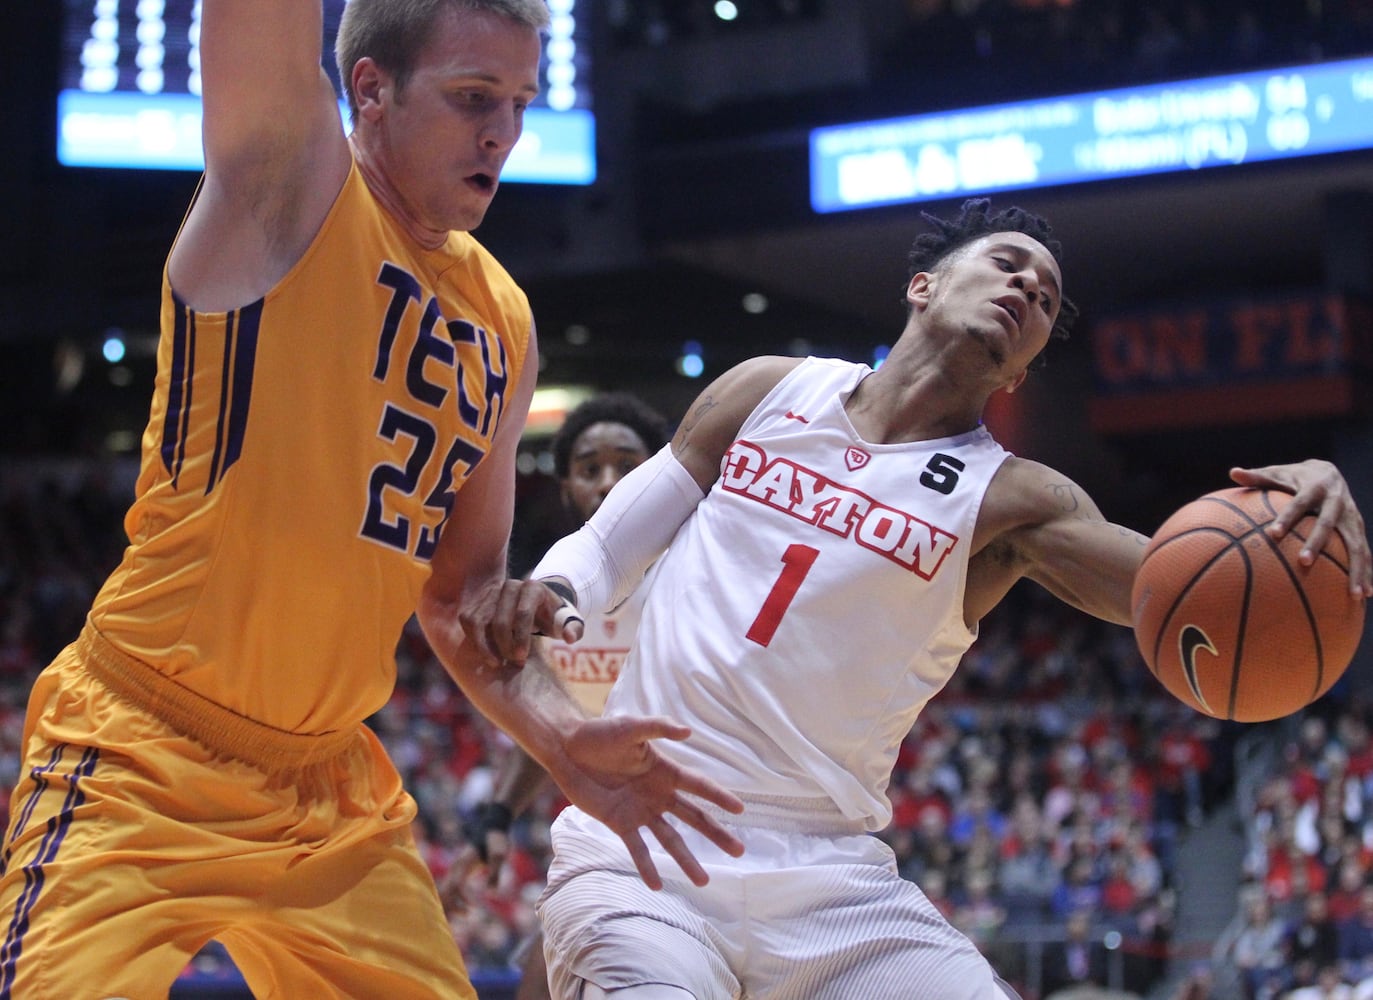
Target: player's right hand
x=504, y=616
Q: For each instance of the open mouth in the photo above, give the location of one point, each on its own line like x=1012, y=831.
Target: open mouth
x=483, y=182
x=1013, y=308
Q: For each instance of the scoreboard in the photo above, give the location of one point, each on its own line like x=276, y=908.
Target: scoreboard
x=129, y=90
x=1186, y=125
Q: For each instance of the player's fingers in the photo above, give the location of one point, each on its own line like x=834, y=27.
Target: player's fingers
x=643, y=861
x=674, y=845
x=1361, y=573
x=703, y=788
x=706, y=824
x=475, y=622
x=568, y=623
x=1311, y=498
x=652, y=727
x=1267, y=476
x=1360, y=559
x=1315, y=541
x=518, y=622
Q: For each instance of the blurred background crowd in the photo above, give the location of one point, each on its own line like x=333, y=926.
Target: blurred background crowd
x=1053, y=801
x=1083, y=827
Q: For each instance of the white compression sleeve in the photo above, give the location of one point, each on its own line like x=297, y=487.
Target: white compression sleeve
x=605, y=560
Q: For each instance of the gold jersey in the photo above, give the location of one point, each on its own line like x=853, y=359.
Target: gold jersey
x=300, y=463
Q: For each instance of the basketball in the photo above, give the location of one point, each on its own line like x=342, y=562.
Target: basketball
x=1230, y=621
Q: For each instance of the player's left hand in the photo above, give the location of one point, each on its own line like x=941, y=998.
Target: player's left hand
x=612, y=771
x=1318, y=488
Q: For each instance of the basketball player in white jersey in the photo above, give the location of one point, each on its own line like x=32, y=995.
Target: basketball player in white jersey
x=600, y=442
x=827, y=538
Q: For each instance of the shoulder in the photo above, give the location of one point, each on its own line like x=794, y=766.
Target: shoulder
x=735, y=394
x=713, y=420
x=757, y=376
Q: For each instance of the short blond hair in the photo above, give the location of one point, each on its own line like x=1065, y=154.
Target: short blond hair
x=393, y=32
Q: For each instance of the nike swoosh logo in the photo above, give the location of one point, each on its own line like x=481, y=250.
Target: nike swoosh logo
x=1190, y=639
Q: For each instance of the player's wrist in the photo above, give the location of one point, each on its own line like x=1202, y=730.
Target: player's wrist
x=562, y=588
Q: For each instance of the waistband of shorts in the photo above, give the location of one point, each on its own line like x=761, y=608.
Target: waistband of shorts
x=219, y=729
x=806, y=814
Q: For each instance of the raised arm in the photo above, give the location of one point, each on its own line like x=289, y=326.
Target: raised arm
x=275, y=150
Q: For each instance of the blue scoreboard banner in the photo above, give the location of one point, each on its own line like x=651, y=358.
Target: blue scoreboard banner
x=1185, y=125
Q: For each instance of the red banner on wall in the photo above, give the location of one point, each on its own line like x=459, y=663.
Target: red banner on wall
x=1232, y=361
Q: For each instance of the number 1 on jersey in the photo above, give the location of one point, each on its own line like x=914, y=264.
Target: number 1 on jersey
x=796, y=563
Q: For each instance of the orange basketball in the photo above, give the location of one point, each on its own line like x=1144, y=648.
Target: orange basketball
x=1230, y=621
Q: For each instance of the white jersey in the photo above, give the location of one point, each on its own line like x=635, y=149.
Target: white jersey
x=589, y=666
x=813, y=603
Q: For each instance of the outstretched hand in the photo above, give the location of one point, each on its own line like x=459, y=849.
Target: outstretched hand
x=613, y=772
x=1318, y=488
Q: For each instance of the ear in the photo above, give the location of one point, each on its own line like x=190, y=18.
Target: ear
x=919, y=289
x=369, y=86
x=1017, y=381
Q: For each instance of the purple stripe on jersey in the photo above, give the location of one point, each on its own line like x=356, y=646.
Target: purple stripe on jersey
x=48, y=847
x=176, y=383
x=249, y=321
x=40, y=783
x=185, y=430
x=235, y=388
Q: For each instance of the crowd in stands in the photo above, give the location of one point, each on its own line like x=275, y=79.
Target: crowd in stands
x=1041, y=797
x=1305, y=927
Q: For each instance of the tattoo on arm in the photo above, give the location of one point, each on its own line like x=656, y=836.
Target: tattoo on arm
x=1065, y=495
x=690, y=422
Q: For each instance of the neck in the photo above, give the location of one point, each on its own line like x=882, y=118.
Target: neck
x=913, y=397
x=379, y=183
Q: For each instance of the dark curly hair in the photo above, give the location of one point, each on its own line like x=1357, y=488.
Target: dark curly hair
x=976, y=219
x=614, y=408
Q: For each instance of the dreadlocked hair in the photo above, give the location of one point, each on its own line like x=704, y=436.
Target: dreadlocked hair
x=974, y=220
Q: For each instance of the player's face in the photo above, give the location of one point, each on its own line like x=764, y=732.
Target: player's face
x=447, y=133
x=1002, y=292
x=602, y=455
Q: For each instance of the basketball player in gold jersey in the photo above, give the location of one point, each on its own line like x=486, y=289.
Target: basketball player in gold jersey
x=343, y=377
